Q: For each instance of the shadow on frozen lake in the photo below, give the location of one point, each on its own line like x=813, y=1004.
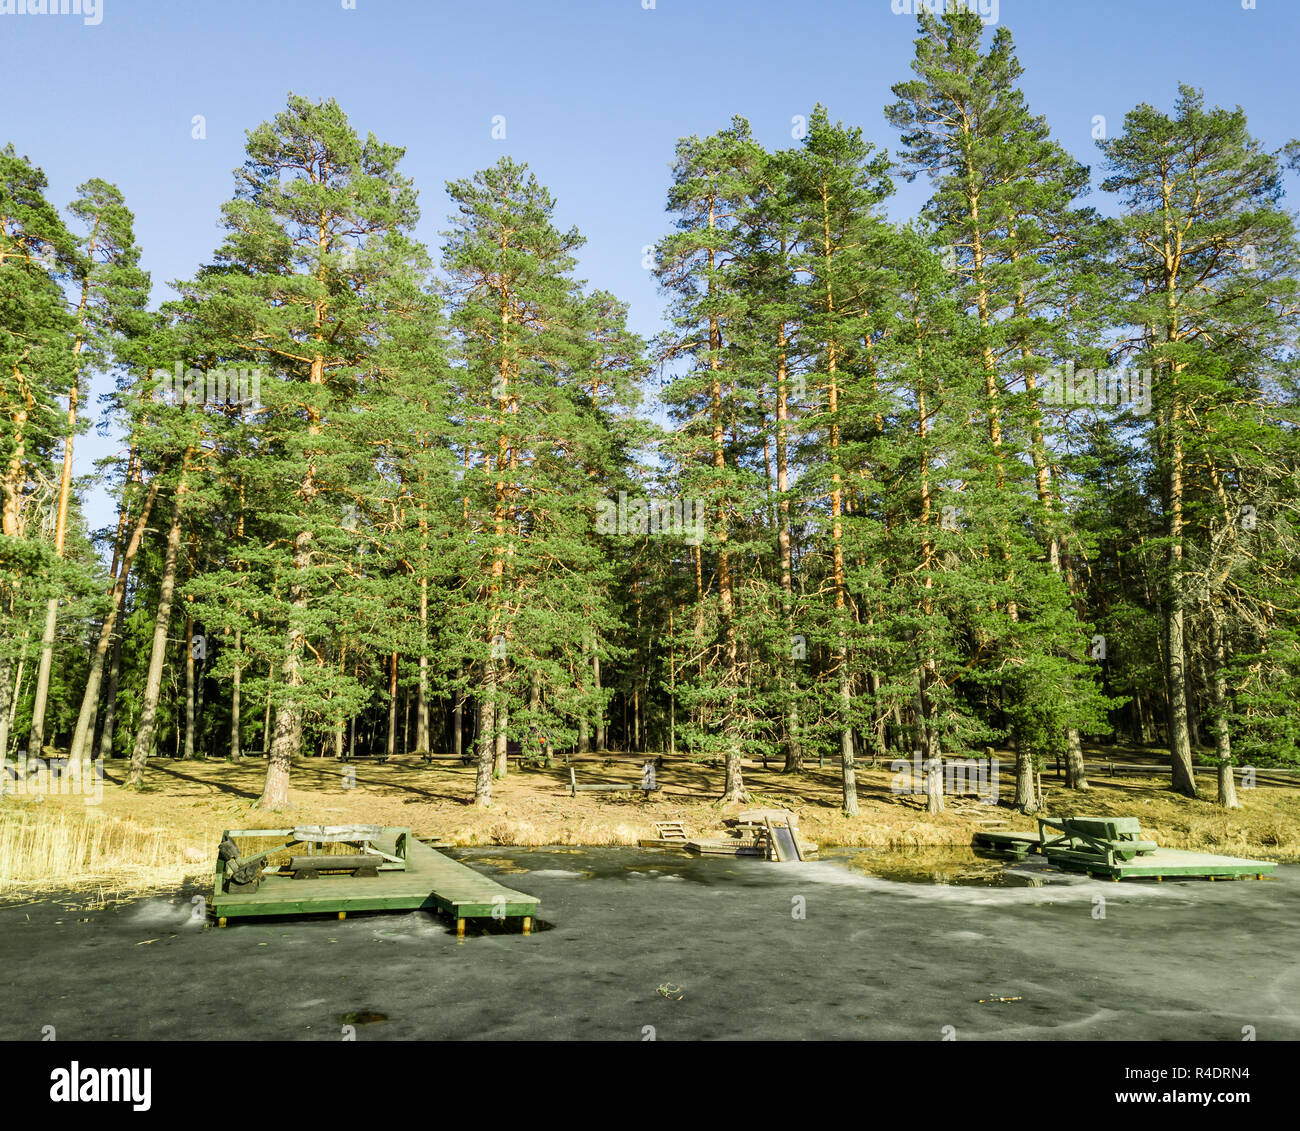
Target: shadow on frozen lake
x=639, y=943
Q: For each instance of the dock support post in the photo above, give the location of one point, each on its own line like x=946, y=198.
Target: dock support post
x=528, y=925
x=460, y=928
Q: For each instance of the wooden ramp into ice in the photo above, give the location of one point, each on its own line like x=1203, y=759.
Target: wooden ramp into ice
x=766, y=834
x=781, y=839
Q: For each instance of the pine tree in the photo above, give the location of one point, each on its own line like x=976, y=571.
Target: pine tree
x=533, y=355
x=111, y=292
x=712, y=181
x=1209, y=262
x=1004, y=208
x=845, y=250
x=38, y=256
x=318, y=224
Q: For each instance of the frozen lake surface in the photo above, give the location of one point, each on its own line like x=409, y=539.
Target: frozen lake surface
x=639, y=943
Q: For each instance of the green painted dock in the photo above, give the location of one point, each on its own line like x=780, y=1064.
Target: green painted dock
x=1109, y=847
x=1161, y=863
x=429, y=881
x=1007, y=842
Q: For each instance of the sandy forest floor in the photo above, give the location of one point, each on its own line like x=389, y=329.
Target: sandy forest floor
x=136, y=840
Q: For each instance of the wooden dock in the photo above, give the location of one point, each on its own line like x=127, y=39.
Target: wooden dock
x=725, y=846
x=430, y=881
x=1161, y=863
x=766, y=834
x=1120, y=857
x=1007, y=842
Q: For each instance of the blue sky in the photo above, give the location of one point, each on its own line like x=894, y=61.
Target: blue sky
x=594, y=94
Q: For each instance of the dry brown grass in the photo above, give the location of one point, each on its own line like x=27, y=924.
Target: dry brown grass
x=158, y=837
x=44, y=844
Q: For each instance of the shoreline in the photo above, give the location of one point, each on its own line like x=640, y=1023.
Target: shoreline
x=167, y=834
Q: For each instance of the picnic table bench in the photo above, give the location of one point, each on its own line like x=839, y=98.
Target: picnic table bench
x=1099, y=838
x=647, y=785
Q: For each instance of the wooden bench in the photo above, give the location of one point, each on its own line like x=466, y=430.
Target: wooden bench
x=313, y=866
x=381, y=759
x=647, y=785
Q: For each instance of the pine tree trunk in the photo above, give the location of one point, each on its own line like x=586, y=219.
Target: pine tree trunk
x=486, y=742
x=234, y=699
x=1193, y=709
x=1180, y=741
x=153, y=680
x=733, y=789
x=1026, y=800
x=17, y=692
x=7, y=695
x=90, y=697
x=933, y=782
x=422, y=688
x=266, y=714
x=879, y=728
x=288, y=715
x=458, y=718
x=601, y=741
x=1222, y=738
x=794, y=744
x=636, y=719
x=110, y=693
x=189, y=687
x=11, y=486
x=1144, y=720
x=1180, y=746
x=848, y=772
x=199, y=682
x=928, y=735
x=500, y=722
x=1075, y=773
x=391, y=748
x=534, y=702
x=285, y=743
x=734, y=786
x=672, y=689
x=36, y=737
x=584, y=724
x=848, y=777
